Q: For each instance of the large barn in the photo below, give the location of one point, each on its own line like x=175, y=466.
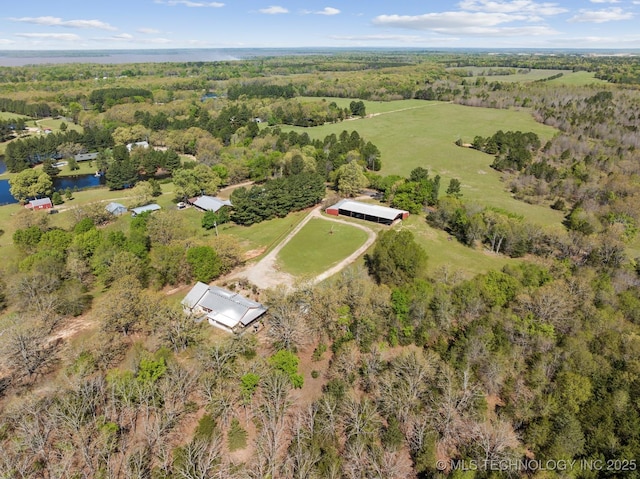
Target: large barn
x=366, y=211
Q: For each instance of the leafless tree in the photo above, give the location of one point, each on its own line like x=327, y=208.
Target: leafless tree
x=287, y=321
x=198, y=458
x=302, y=457
x=271, y=415
x=24, y=346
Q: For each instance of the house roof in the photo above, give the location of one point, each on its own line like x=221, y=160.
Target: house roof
x=39, y=202
x=142, y=209
x=368, y=209
x=210, y=203
x=141, y=144
x=115, y=207
x=226, y=307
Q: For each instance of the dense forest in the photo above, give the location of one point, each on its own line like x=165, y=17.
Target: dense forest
x=388, y=369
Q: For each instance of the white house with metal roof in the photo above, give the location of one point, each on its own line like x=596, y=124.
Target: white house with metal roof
x=209, y=203
x=367, y=211
x=223, y=308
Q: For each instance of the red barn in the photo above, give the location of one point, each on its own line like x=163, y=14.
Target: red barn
x=41, y=204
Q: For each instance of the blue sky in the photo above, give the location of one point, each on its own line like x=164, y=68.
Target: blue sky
x=118, y=24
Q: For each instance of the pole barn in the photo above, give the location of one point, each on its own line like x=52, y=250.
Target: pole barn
x=366, y=211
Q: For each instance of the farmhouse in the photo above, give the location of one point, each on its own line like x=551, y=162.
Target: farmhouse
x=224, y=309
x=143, y=209
x=366, y=211
x=116, y=209
x=40, y=204
x=209, y=203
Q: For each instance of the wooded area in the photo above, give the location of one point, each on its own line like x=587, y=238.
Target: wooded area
x=388, y=369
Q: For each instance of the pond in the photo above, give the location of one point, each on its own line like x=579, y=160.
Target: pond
x=59, y=184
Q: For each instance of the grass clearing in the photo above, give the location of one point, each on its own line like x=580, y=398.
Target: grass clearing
x=419, y=133
x=318, y=246
x=522, y=76
x=445, y=251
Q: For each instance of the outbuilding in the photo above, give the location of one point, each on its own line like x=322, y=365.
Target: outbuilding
x=366, y=211
x=86, y=156
x=222, y=308
x=143, y=209
x=137, y=144
x=209, y=203
x=40, y=204
x=116, y=209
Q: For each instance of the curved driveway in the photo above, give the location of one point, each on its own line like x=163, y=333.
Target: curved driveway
x=265, y=274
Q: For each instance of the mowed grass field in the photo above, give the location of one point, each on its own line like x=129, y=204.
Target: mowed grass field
x=318, y=246
x=412, y=133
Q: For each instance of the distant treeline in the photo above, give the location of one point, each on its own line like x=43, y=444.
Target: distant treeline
x=7, y=127
x=107, y=97
x=24, y=153
x=21, y=107
x=260, y=90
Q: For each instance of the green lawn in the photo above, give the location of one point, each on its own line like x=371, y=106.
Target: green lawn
x=318, y=246
x=416, y=133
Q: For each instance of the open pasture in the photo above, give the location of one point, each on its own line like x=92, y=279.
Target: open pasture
x=416, y=133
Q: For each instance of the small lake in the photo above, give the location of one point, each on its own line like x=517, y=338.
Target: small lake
x=59, y=184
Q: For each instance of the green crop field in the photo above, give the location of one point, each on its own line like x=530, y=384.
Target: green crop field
x=416, y=133
x=318, y=246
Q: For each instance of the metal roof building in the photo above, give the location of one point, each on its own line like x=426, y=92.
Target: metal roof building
x=116, y=209
x=209, y=203
x=144, y=209
x=366, y=211
x=224, y=309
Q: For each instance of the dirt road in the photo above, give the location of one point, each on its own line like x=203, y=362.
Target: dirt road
x=265, y=273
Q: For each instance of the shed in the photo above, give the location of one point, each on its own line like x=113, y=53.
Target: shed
x=209, y=203
x=40, y=204
x=366, y=211
x=116, y=209
x=224, y=309
x=137, y=144
x=144, y=209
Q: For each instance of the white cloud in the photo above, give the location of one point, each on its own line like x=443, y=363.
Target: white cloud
x=273, y=10
x=59, y=22
x=516, y=6
x=67, y=37
x=328, y=11
x=188, y=3
x=380, y=38
x=446, y=20
x=606, y=1
x=465, y=23
x=5, y=41
x=601, y=16
x=128, y=38
x=148, y=31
